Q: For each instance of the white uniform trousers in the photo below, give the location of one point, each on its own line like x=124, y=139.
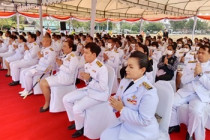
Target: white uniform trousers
x=27, y=76
x=196, y=122
x=6, y=54
x=111, y=133
x=75, y=103
x=22, y=74
x=17, y=65
x=3, y=49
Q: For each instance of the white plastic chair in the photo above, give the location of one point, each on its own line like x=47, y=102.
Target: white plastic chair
x=164, y=109
x=173, y=81
x=101, y=114
x=37, y=89
x=57, y=94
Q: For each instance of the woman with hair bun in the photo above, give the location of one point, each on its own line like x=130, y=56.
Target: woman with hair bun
x=137, y=101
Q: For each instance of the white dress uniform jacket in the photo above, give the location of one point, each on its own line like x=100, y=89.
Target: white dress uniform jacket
x=4, y=45
x=10, y=50
x=18, y=53
x=196, y=93
x=77, y=101
x=113, y=60
x=27, y=75
x=66, y=73
x=137, y=120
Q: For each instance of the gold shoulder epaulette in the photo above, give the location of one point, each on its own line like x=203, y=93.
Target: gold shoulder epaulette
x=99, y=63
x=207, y=72
x=147, y=86
x=72, y=55
x=51, y=49
x=116, y=51
x=192, y=61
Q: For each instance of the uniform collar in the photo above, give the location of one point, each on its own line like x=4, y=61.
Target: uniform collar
x=205, y=64
x=134, y=87
x=93, y=62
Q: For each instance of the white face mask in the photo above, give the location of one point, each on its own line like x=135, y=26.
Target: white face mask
x=179, y=45
x=185, y=41
x=109, y=45
x=169, y=52
x=186, y=49
x=133, y=45
x=153, y=48
x=75, y=42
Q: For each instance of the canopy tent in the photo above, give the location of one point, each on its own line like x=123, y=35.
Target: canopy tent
x=121, y=9
x=112, y=10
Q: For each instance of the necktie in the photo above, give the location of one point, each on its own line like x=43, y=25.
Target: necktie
x=131, y=83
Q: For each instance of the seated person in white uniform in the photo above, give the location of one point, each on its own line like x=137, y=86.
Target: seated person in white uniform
x=19, y=52
x=65, y=76
x=30, y=58
x=11, y=48
x=196, y=93
x=5, y=42
x=46, y=62
x=96, y=91
x=137, y=101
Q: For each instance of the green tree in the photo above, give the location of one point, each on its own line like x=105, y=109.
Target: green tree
x=153, y=26
x=178, y=24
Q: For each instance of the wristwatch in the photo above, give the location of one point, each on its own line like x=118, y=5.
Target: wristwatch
x=90, y=79
x=199, y=75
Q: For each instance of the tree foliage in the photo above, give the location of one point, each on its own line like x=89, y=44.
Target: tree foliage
x=153, y=26
x=188, y=24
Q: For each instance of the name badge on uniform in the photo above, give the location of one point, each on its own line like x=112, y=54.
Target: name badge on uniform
x=207, y=72
x=132, y=100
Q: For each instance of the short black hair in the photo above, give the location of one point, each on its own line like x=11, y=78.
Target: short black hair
x=70, y=44
x=205, y=47
x=94, y=48
x=91, y=38
x=1, y=33
x=155, y=44
x=142, y=58
x=13, y=37
x=38, y=32
x=8, y=32
x=144, y=47
x=22, y=38
x=33, y=36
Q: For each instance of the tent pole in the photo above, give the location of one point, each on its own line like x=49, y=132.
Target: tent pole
x=195, y=22
x=107, y=26
x=70, y=25
x=40, y=17
x=141, y=21
x=18, y=22
x=93, y=16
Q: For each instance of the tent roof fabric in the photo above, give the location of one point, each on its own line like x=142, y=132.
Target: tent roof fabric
x=113, y=8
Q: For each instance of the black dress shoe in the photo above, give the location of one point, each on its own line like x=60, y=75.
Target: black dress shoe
x=7, y=75
x=71, y=127
x=43, y=110
x=174, y=129
x=78, y=133
x=188, y=137
x=14, y=83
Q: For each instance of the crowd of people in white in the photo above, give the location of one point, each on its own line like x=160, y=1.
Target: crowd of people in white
x=137, y=62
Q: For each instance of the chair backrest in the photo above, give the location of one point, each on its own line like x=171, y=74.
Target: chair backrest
x=111, y=76
x=164, y=109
